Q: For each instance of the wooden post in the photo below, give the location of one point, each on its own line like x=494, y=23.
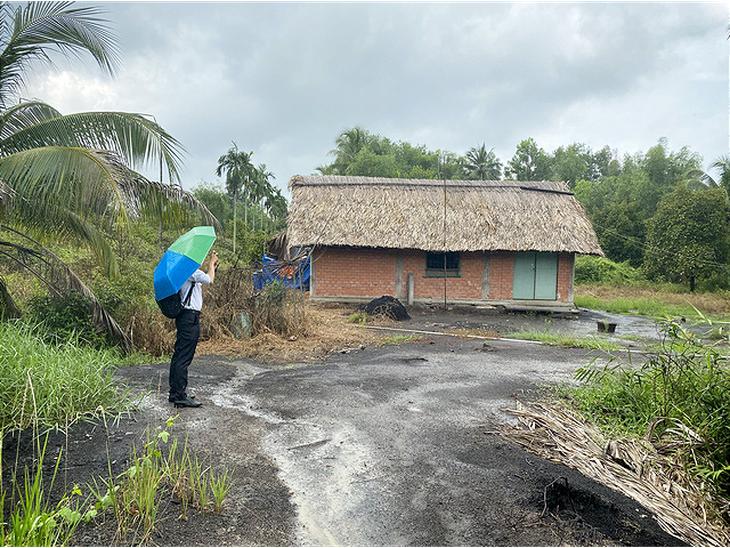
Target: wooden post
x=411, y=283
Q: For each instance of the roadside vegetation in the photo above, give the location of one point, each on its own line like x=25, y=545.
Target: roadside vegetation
x=619, y=288
x=676, y=401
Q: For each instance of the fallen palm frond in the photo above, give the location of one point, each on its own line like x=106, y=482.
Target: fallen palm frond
x=632, y=467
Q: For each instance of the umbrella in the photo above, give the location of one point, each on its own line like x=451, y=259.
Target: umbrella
x=181, y=259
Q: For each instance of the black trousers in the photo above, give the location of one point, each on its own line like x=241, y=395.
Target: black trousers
x=188, y=333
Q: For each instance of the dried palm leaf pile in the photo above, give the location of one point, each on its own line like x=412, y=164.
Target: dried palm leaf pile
x=635, y=468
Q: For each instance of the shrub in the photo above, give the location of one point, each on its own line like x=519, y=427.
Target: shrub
x=60, y=318
x=599, y=270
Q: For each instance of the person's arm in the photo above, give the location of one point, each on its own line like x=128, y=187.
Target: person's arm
x=212, y=265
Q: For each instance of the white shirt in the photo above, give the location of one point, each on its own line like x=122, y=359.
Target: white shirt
x=200, y=278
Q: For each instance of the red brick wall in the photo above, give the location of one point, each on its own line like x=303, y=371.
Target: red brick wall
x=467, y=286
x=565, y=276
x=501, y=274
x=348, y=272
x=354, y=272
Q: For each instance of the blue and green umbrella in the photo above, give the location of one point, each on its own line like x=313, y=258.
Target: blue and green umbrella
x=181, y=259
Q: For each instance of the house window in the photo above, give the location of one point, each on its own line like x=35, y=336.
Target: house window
x=435, y=264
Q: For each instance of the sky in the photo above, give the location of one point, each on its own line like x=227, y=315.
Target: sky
x=283, y=79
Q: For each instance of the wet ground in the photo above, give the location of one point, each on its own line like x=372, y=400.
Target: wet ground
x=392, y=445
x=628, y=328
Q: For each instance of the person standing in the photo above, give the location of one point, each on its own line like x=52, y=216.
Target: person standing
x=188, y=333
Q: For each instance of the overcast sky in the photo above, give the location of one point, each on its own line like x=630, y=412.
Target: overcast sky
x=283, y=79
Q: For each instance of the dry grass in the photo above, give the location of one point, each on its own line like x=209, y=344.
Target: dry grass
x=322, y=329
x=632, y=467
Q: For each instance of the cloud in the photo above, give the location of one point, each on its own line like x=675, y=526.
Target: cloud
x=283, y=79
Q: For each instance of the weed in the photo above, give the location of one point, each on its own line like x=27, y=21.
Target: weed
x=135, y=495
x=399, y=339
x=34, y=521
x=360, y=318
x=679, y=397
x=219, y=485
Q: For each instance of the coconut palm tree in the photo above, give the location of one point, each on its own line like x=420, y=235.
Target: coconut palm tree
x=74, y=175
x=722, y=165
x=239, y=171
x=483, y=165
x=348, y=143
x=68, y=173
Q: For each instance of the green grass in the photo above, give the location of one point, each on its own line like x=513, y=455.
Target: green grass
x=48, y=385
x=135, y=496
x=654, y=303
x=399, y=339
x=685, y=387
x=642, y=307
x=565, y=341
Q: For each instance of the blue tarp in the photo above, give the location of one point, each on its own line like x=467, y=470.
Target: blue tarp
x=291, y=275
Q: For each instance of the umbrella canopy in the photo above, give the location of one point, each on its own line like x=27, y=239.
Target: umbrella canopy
x=181, y=259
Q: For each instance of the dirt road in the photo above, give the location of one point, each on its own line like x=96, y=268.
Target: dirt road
x=381, y=446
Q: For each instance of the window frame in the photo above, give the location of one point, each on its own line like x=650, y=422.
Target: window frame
x=438, y=257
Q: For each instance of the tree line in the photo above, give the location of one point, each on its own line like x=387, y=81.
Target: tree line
x=658, y=211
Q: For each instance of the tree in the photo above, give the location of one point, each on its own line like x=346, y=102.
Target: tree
x=529, y=163
x=239, y=172
x=687, y=238
x=215, y=199
x=69, y=175
x=348, y=143
x=721, y=164
x=483, y=165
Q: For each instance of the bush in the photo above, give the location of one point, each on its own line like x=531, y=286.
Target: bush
x=64, y=318
x=599, y=270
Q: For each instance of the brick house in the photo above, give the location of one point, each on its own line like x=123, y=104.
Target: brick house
x=501, y=243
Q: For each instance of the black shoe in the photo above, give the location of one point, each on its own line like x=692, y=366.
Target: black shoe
x=173, y=399
x=187, y=402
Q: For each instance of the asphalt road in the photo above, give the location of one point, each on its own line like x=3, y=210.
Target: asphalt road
x=397, y=446
x=392, y=446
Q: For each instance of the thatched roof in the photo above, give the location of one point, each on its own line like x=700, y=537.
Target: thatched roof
x=409, y=214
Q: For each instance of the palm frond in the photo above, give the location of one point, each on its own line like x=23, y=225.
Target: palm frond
x=60, y=280
x=74, y=178
x=39, y=27
x=22, y=116
x=68, y=225
x=133, y=136
x=8, y=308
x=50, y=182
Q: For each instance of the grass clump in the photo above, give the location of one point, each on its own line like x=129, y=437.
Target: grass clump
x=678, y=399
x=134, y=497
x=360, y=318
x=45, y=384
x=565, y=341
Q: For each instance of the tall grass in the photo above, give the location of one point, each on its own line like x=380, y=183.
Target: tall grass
x=45, y=384
x=679, y=399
